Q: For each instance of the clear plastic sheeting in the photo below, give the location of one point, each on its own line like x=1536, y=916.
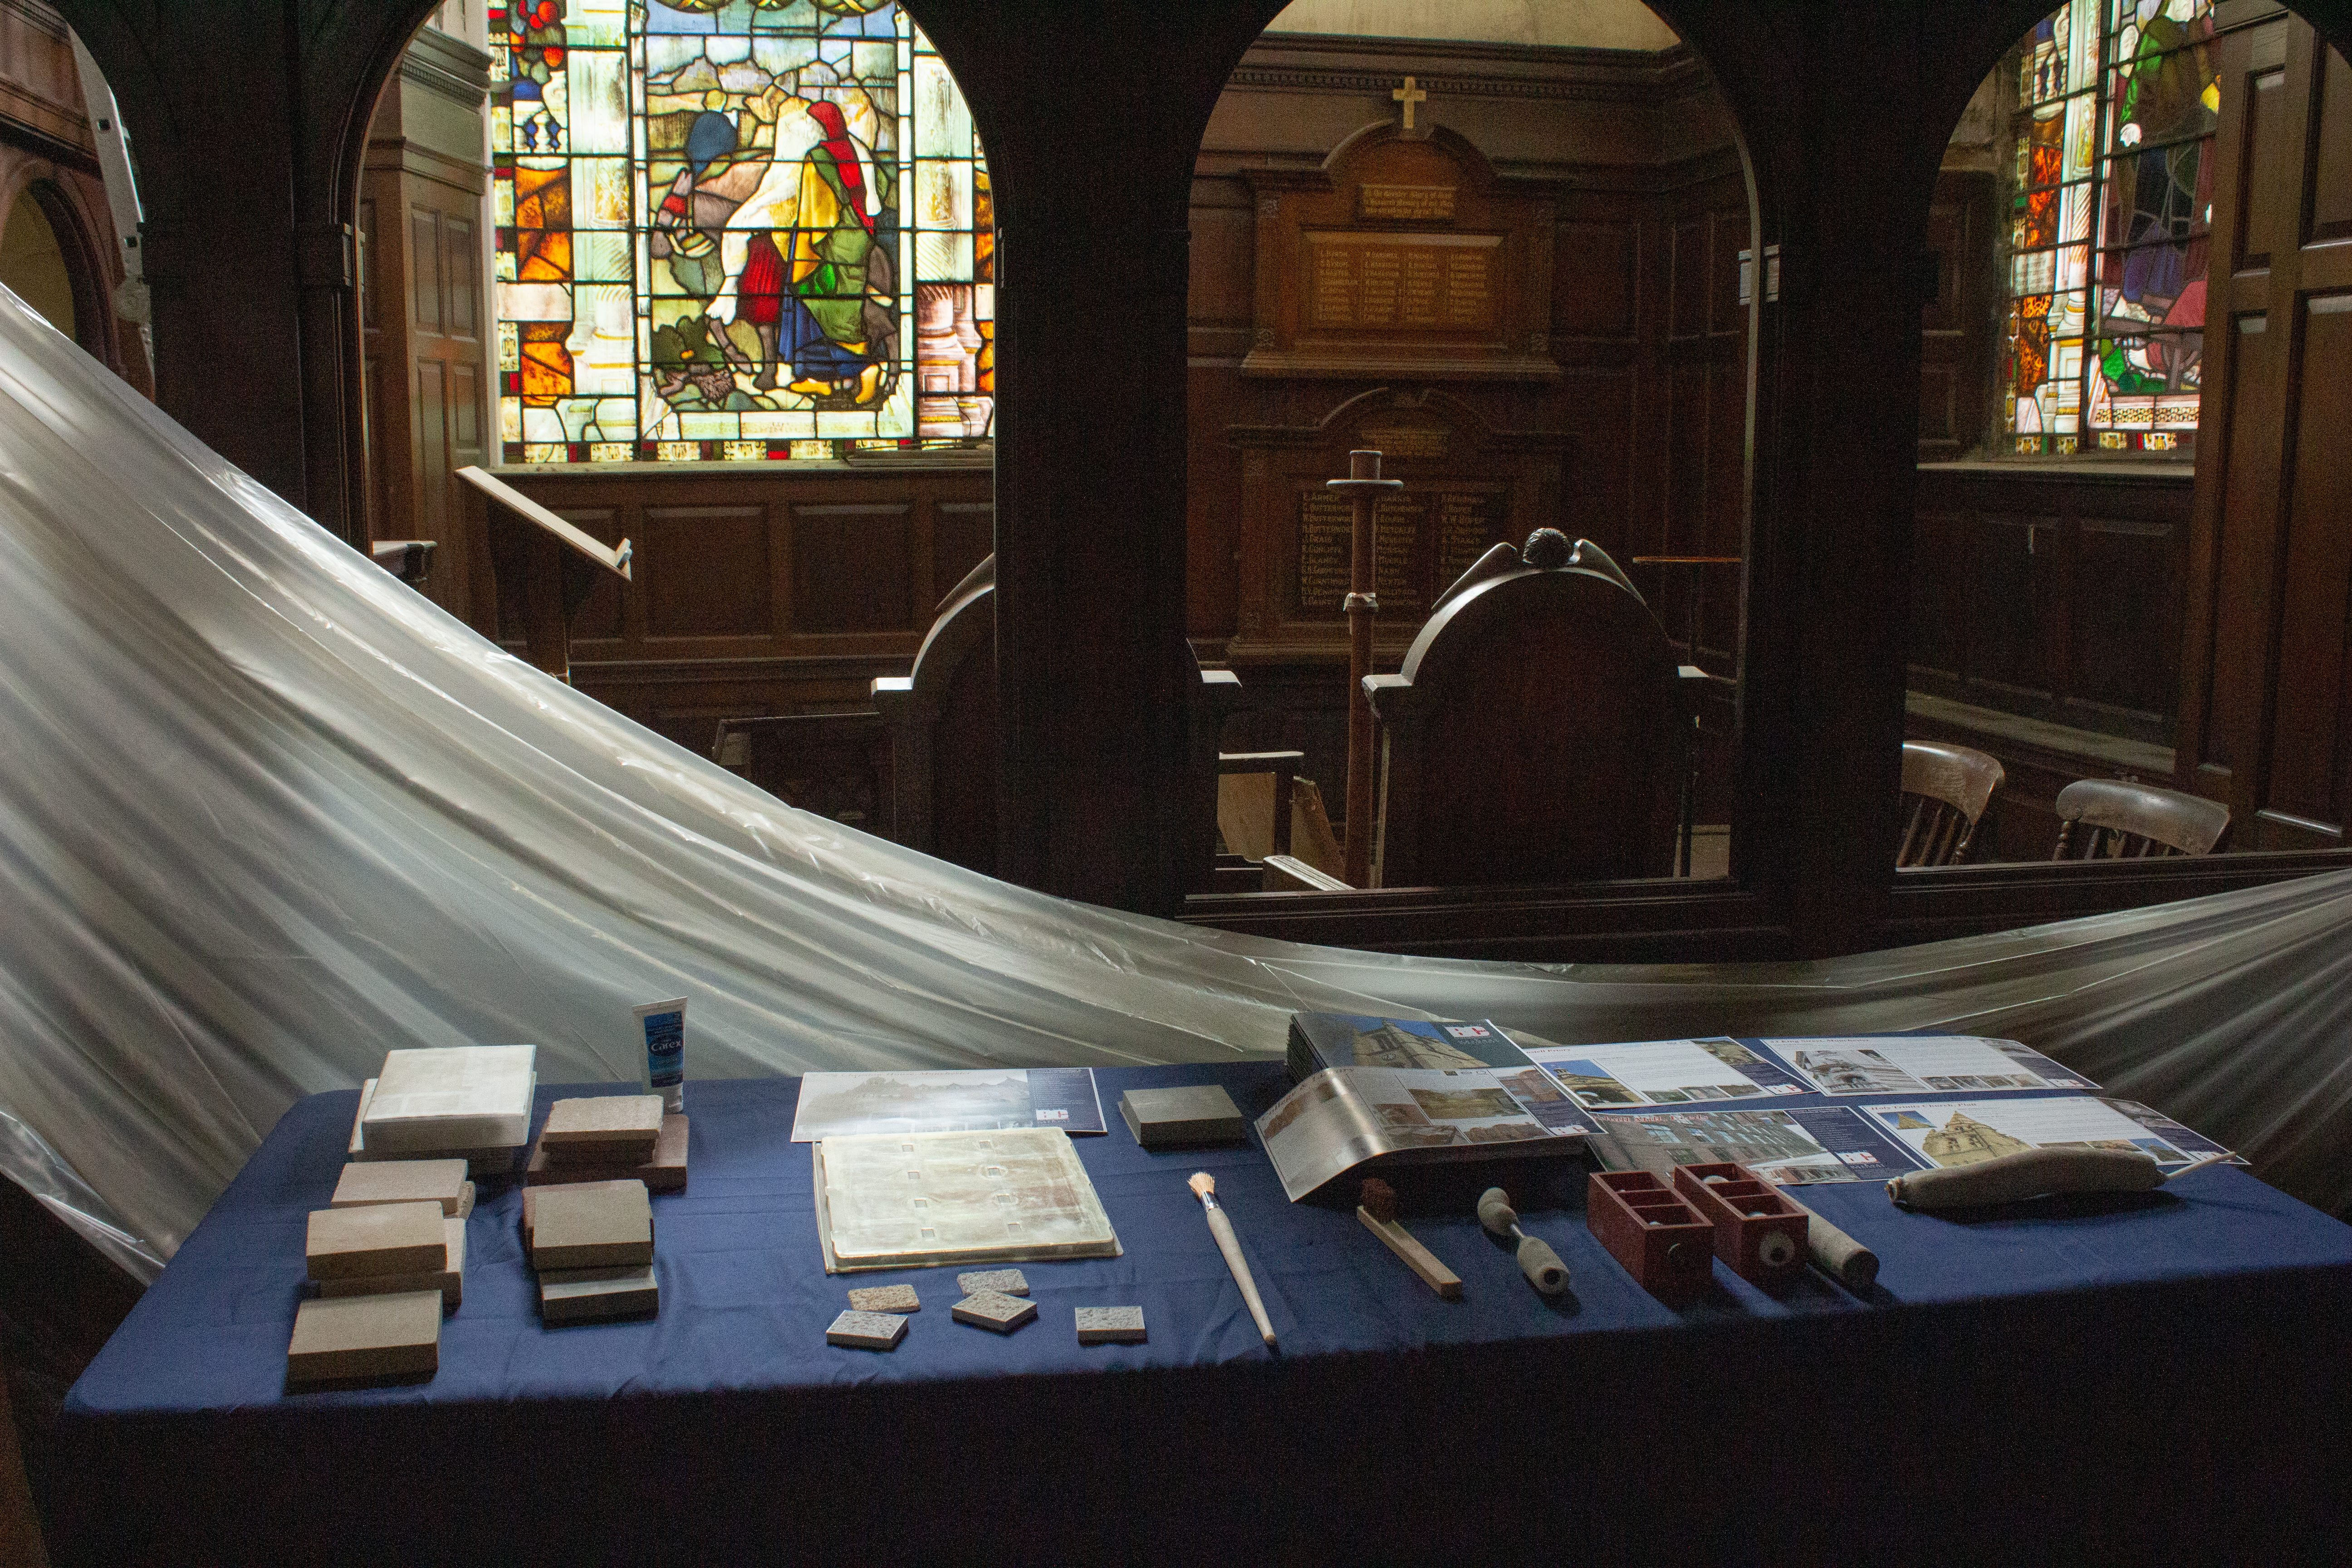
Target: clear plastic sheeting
x=266, y=814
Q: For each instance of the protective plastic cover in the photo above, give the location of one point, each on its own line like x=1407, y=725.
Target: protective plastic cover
x=266, y=814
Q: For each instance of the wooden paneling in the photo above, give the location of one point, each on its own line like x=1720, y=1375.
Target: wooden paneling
x=2265, y=686
x=2329, y=200
x=2054, y=593
x=731, y=615
x=1955, y=324
x=703, y=571
x=428, y=383
x=1594, y=284
x=2309, y=710
x=851, y=569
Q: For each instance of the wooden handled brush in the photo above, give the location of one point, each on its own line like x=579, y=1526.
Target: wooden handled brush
x=1204, y=1187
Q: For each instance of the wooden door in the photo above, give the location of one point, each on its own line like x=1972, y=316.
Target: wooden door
x=2267, y=673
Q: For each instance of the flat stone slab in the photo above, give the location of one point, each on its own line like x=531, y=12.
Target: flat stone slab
x=868, y=1330
x=1003, y=1281
x=993, y=1310
x=886, y=1299
x=1110, y=1326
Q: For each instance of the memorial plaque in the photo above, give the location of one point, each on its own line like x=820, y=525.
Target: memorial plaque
x=1403, y=257
x=1408, y=204
x=1398, y=442
x=1325, y=526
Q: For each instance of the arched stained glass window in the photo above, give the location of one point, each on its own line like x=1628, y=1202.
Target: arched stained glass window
x=2112, y=201
x=735, y=229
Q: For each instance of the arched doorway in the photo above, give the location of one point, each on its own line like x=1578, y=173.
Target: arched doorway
x=1595, y=376
x=47, y=262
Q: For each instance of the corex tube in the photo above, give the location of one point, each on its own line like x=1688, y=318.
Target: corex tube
x=665, y=1027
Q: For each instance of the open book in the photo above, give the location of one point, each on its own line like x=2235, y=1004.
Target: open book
x=1374, y=1093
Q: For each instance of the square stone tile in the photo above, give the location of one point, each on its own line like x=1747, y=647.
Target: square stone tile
x=1003, y=1281
x=1110, y=1326
x=993, y=1310
x=868, y=1330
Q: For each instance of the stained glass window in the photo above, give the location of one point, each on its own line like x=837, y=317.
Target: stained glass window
x=2110, y=210
x=735, y=229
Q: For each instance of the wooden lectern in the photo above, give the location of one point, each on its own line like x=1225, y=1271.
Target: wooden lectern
x=549, y=562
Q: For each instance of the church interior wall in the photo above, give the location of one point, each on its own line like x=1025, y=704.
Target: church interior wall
x=1086, y=514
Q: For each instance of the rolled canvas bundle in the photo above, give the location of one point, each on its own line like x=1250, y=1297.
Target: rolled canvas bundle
x=267, y=813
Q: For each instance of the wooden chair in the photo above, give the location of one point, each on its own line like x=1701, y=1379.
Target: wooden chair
x=944, y=713
x=946, y=708
x=1536, y=732
x=1945, y=789
x=2108, y=819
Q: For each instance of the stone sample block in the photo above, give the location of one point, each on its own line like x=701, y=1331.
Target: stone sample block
x=441, y=1181
x=868, y=1330
x=597, y=1295
x=1003, y=1281
x=530, y=1197
x=595, y=1225
x=610, y=1128
x=1111, y=1326
x=886, y=1299
x=380, y=1239
x=450, y=1282
x=1188, y=1116
x=664, y=1172
x=364, y=1337
x=993, y=1310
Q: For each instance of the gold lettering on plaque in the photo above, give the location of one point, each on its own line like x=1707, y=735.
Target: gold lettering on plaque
x=1403, y=440
x=1411, y=203
x=1387, y=281
x=1462, y=535
x=1326, y=528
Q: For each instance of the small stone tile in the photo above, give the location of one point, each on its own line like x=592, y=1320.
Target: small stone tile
x=868, y=1330
x=1003, y=1281
x=886, y=1299
x=993, y=1310
x=1110, y=1326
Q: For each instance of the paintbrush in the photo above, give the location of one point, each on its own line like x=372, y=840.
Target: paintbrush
x=1205, y=1186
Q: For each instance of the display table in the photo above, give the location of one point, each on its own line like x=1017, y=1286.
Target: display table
x=2166, y=1368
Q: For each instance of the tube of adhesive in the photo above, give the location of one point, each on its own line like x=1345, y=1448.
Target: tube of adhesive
x=665, y=1027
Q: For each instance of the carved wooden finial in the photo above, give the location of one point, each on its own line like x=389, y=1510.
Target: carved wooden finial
x=1546, y=547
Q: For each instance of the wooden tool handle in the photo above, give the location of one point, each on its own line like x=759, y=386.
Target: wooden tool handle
x=1837, y=1254
x=1417, y=1258
x=1231, y=1246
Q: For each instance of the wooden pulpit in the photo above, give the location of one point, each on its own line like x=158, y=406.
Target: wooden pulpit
x=547, y=564
x=1536, y=732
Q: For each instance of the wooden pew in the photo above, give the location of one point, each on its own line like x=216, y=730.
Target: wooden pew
x=1537, y=731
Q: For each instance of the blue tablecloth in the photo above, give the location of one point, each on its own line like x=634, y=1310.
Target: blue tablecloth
x=192, y=1448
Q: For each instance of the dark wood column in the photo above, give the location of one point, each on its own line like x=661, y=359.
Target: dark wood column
x=247, y=121
x=1091, y=113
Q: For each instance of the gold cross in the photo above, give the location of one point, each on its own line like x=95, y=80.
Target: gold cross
x=1409, y=95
